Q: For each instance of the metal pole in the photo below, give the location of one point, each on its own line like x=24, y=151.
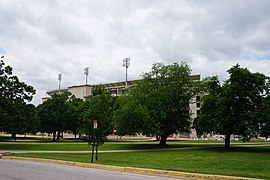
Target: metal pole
x=126, y=63
x=126, y=76
x=86, y=72
x=93, y=149
x=59, y=79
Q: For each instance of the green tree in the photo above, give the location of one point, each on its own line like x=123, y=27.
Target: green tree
x=264, y=118
x=53, y=114
x=165, y=93
x=13, y=97
x=31, y=120
x=231, y=108
x=130, y=117
x=75, y=115
x=98, y=107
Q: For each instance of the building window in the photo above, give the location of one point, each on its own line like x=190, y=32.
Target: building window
x=198, y=112
x=198, y=98
x=198, y=105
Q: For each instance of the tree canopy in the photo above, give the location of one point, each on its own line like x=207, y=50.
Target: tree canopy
x=161, y=99
x=53, y=114
x=13, y=97
x=231, y=108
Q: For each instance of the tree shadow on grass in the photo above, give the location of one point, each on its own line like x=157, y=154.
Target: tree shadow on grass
x=155, y=146
x=261, y=149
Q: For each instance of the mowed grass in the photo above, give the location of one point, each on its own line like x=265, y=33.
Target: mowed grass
x=121, y=145
x=251, y=162
x=86, y=147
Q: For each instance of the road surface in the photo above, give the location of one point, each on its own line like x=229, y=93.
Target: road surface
x=26, y=170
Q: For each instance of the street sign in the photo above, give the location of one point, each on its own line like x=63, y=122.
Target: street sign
x=95, y=124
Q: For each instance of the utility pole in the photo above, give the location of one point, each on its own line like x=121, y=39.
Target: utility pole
x=86, y=72
x=59, y=82
x=126, y=63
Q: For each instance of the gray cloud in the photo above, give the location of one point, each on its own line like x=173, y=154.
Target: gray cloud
x=44, y=38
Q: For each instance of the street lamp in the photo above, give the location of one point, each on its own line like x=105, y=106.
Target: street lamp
x=126, y=63
x=59, y=81
x=86, y=72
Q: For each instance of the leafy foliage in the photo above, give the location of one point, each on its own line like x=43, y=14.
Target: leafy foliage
x=98, y=107
x=130, y=117
x=231, y=108
x=162, y=98
x=53, y=114
x=13, y=108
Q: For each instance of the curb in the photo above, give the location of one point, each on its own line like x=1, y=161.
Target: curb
x=174, y=174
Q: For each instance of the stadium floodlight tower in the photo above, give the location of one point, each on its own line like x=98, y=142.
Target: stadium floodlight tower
x=126, y=63
x=86, y=73
x=59, y=81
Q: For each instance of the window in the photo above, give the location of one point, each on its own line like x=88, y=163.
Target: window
x=198, y=98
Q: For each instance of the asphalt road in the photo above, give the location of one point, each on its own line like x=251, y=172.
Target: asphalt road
x=27, y=170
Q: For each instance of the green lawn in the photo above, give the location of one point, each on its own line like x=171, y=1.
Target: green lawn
x=237, y=161
x=86, y=147
x=121, y=145
x=246, y=162
x=19, y=138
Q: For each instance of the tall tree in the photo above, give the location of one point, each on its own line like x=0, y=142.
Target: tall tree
x=75, y=115
x=165, y=92
x=130, y=117
x=264, y=118
x=13, y=97
x=231, y=108
x=53, y=114
x=32, y=124
x=98, y=108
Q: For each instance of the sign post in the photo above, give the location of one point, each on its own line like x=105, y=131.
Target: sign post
x=95, y=126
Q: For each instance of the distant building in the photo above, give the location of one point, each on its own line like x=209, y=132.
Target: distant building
x=82, y=91
x=121, y=88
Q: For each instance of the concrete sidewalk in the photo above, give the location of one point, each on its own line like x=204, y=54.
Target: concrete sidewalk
x=100, y=151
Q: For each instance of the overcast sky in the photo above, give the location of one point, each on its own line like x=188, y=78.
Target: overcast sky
x=42, y=38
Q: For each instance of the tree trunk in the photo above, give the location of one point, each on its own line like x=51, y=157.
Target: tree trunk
x=54, y=134
x=157, y=138
x=58, y=135
x=163, y=141
x=227, y=140
x=13, y=135
x=75, y=135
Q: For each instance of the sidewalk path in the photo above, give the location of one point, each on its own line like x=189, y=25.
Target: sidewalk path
x=2, y=152
x=101, y=151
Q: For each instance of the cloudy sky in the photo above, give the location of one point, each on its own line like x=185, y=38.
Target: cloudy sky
x=41, y=39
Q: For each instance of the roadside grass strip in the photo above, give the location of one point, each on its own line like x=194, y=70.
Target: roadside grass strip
x=250, y=162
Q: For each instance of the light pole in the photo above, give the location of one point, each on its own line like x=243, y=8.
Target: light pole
x=126, y=63
x=59, y=81
x=86, y=72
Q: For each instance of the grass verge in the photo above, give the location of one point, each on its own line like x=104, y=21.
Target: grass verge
x=86, y=147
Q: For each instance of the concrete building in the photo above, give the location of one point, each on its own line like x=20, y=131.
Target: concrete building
x=82, y=91
x=121, y=88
